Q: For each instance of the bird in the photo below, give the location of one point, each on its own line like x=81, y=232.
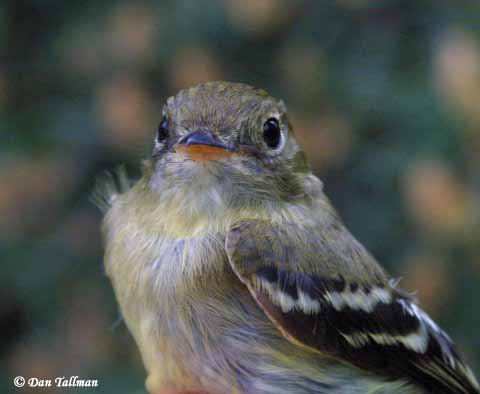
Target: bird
x=235, y=274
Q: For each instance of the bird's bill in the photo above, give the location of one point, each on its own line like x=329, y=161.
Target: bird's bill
x=202, y=145
x=204, y=152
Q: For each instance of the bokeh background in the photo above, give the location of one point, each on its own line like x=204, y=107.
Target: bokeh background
x=384, y=96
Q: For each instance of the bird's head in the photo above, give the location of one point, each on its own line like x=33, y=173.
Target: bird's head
x=226, y=143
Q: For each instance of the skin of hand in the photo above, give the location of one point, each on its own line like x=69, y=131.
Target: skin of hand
x=235, y=275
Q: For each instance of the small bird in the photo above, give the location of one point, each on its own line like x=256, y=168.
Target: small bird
x=235, y=275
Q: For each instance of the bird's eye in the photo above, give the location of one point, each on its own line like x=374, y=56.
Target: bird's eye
x=271, y=133
x=162, y=133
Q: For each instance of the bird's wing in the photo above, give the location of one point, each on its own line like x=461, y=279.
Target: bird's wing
x=365, y=321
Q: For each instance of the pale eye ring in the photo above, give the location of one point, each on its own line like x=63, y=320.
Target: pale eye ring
x=162, y=132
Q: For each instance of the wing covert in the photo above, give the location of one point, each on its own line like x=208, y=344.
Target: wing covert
x=368, y=323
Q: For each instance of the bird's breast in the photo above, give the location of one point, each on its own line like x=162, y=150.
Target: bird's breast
x=171, y=293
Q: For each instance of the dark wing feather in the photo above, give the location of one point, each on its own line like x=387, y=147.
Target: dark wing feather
x=376, y=328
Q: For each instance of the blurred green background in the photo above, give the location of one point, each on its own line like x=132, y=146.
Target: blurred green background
x=384, y=96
